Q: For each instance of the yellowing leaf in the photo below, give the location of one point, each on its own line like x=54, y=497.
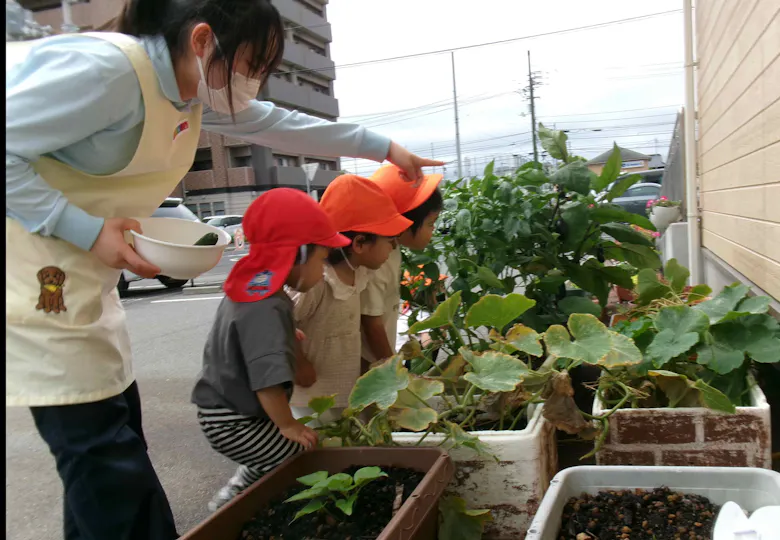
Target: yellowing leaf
x=421, y=387
x=380, y=385
x=524, y=339
x=417, y=419
x=494, y=371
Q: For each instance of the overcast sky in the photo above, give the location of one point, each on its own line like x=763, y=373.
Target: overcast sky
x=636, y=67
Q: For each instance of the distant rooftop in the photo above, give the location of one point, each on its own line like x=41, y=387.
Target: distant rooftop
x=625, y=155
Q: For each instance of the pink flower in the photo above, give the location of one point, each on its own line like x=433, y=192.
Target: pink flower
x=656, y=234
x=650, y=203
x=664, y=198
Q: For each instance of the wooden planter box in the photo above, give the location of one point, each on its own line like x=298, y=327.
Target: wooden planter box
x=417, y=519
x=512, y=487
x=689, y=436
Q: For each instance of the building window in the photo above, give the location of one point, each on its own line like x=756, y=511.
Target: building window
x=323, y=163
x=204, y=210
x=313, y=47
x=218, y=208
x=192, y=208
x=313, y=9
x=203, y=161
x=240, y=156
x=286, y=161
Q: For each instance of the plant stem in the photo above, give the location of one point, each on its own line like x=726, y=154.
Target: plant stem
x=456, y=337
x=604, y=419
x=469, y=394
x=362, y=429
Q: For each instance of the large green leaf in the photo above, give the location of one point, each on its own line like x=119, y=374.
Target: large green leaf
x=524, y=339
x=612, y=213
x=414, y=419
x=579, y=304
x=463, y=221
x=754, y=335
x=677, y=388
x=318, y=490
x=621, y=186
x=554, y=142
x=341, y=482
x=576, y=218
x=489, y=278
x=592, y=337
x=719, y=307
x=668, y=344
x=497, y=311
x=719, y=356
x=444, y=315
x=574, y=177
x=681, y=320
x=636, y=255
x=765, y=350
x=677, y=275
x=649, y=287
x=457, y=522
x=613, y=274
x=322, y=404
x=624, y=233
x=610, y=172
x=421, y=387
x=532, y=177
x=493, y=371
x=558, y=342
x=380, y=385
x=713, y=398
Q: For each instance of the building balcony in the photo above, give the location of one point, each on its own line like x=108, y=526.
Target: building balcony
x=295, y=11
x=204, y=141
x=300, y=55
x=300, y=97
x=295, y=177
x=241, y=176
x=197, y=180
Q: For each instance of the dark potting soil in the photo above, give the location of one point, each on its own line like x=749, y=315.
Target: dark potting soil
x=660, y=514
x=371, y=514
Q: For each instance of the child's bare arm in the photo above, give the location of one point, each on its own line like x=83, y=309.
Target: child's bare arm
x=305, y=375
x=276, y=406
x=376, y=335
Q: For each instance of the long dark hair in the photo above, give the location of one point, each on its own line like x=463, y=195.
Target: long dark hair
x=235, y=23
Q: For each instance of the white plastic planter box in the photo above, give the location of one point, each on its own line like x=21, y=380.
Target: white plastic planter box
x=696, y=437
x=748, y=487
x=512, y=487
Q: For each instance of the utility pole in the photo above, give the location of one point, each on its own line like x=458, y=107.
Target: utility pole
x=457, y=121
x=531, y=85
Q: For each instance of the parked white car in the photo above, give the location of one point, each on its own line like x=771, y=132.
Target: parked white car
x=231, y=224
x=171, y=208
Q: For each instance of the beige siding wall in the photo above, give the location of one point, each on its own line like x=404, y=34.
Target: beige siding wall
x=738, y=91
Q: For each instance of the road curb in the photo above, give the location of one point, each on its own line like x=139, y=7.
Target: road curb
x=204, y=289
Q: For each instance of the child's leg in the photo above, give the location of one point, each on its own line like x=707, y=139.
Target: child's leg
x=256, y=444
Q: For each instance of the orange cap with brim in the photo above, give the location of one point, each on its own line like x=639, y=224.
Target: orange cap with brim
x=398, y=187
x=354, y=203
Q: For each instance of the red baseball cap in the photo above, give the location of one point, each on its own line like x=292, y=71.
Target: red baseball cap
x=354, y=203
x=398, y=187
x=276, y=225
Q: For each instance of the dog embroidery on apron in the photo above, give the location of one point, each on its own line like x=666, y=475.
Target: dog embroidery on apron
x=51, y=280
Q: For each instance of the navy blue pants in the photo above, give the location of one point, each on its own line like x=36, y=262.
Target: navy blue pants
x=111, y=489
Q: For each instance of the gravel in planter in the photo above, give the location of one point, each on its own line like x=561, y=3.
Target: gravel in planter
x=660, y=514
x=372, y=512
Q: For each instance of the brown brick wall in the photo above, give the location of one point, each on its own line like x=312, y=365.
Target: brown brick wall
x=689, y=437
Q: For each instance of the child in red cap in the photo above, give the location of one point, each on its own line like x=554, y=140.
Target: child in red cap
x=381, y=299
x=250, y=362
x=329, y=313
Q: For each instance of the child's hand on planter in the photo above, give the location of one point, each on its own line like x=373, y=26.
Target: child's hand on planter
x=303, y=435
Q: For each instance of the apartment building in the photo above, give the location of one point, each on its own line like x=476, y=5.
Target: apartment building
x=229, y=174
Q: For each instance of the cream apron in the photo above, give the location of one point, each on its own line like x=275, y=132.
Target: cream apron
x=66, y=337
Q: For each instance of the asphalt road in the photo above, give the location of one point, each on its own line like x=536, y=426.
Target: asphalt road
x=168, y=330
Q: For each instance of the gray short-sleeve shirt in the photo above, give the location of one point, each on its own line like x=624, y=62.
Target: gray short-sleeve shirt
x=250, y=347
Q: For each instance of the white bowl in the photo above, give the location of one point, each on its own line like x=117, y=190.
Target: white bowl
x=168, y=244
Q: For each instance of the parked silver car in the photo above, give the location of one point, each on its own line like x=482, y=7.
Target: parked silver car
x=635, y=198
x=170, y=208
x=231, y=224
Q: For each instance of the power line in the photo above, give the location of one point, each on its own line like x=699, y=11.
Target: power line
x=610, y=119
x=615, y=112
x=498, y=42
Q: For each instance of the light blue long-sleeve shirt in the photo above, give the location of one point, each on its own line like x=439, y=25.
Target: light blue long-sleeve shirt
x=77, y=99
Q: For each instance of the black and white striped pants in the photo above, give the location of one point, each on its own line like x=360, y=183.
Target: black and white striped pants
x=254, y=443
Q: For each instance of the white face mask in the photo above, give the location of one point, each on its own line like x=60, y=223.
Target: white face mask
x=244, y=91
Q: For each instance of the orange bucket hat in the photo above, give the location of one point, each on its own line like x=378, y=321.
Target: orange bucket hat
x=354, y=203
x=396, y=184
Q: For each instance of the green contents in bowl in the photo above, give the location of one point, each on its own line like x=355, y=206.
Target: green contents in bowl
x=208, y=239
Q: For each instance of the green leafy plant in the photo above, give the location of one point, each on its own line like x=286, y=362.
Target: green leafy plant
x=697, y=350
x=491, y=372
x=458, y=522
x=547, y=232
x=341, y=490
